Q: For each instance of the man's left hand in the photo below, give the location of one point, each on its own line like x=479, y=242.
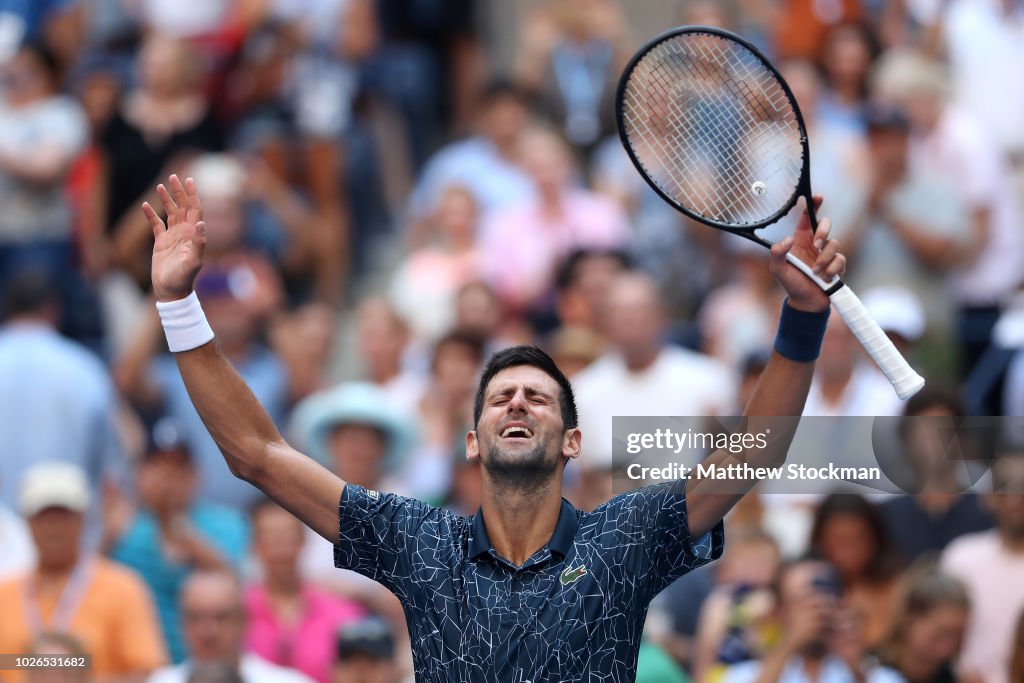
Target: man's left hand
x=814, y=249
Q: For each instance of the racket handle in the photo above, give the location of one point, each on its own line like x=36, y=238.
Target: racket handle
x=904, y=379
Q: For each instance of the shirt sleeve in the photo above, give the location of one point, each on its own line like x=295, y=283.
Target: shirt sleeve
x=389, y=538
x=138, y=640
x=650, y=526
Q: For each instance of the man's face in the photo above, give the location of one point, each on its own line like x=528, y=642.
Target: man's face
x=214, y=622
x=56, y=532
x=358, y=452
x=521, y=433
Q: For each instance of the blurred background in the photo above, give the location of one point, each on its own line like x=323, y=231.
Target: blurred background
x=395, y=189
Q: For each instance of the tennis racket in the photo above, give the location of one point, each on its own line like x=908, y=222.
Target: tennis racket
x=714, y=129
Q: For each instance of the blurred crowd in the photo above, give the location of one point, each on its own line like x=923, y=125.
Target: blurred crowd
x=389, y=201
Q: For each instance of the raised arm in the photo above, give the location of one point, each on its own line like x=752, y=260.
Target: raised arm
x=252, y=446
x=782, y=389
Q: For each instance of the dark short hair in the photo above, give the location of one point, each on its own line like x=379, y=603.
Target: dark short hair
x=930, y=397
x=46, y=57
x=501, y=88
x=532, y=356
x=29, y=290
x=569, y=269
x=466, y=340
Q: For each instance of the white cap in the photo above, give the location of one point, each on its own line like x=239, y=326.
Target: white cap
x=897, y=310
x=53, y=484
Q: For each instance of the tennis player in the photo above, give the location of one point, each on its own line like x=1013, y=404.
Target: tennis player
x=529, y=589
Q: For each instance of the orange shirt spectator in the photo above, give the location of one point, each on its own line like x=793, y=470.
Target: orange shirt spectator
x=103, y=604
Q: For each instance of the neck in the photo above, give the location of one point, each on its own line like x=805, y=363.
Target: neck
x=913, y=670
x=638, y=361
x=384, y=372
x=834, y=384
x=551, y=199
x=283, y=581
x=55, y=571
x=1012, y=542
x=520, y=522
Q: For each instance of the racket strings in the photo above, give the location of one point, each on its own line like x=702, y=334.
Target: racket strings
x=714, y=129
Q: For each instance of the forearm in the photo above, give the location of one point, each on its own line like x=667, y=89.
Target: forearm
x=235, y=419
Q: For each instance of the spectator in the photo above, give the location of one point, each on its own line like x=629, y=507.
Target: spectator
x=572, y=53
x=948, y=140
x=214, y=673
x=46, y=380
x=989, y=563
x=738, y=318
x=303, y=338
x=214, y=622
x=928, y=626
x=366, y=652
x=62, y=645
x=523, y=243
x=847, y=55
x=641, y=373
x=986, y=55
x=938, y=508
x=584, y=280
x=424, y=285
x=291, y=621
x=821, y=639
x=41, y=134
x=486, y=163
x=384, y=342
x=57, y=23
x=354, y=430
x=163, y=119
x=912, y=221
x=737, y=620
x=445, y=415
x=19, y=554
x=171, y=533
x=98, y=601
x=849, y=533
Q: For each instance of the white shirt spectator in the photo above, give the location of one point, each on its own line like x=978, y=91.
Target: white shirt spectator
x=494, y=181
x=834, y=671
x=959, y=150
x=679, y=383
x=252, y=668
x=54, y=126
x=19, y=555
x=986, y=56
x=867, y=393
x=992, y=575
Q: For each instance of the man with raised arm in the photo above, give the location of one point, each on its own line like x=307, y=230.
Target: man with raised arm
x=529, y=589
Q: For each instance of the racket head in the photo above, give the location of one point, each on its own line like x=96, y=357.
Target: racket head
x=714, y=129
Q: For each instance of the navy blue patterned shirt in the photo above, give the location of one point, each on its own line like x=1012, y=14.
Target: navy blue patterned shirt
x=574, y=611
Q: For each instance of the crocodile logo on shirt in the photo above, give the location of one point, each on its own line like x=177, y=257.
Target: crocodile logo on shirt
x=573, y=575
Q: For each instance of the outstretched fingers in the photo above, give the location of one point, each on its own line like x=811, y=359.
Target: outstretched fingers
x=155, y=221
x=181, y=197
x=170, y=207
x=195, y=212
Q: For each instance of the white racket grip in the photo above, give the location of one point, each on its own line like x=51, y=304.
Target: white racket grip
x=904, y=380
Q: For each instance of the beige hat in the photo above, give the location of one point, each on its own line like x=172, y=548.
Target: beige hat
x=53, y=484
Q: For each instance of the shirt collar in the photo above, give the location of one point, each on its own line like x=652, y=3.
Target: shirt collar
x=561, y=541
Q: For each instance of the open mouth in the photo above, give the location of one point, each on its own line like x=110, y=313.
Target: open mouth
x=516, y=432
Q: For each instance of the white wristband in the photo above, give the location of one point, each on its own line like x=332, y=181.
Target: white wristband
x=184, y=323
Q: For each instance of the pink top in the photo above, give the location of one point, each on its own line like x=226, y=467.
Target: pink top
x=308, y=646
x=522, y=245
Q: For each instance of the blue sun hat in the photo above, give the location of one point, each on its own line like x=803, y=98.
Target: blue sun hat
x=352, y=403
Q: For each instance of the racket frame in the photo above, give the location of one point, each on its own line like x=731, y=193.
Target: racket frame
x=803, y=187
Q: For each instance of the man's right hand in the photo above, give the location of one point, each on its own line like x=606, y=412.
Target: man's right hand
x=178, y=246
